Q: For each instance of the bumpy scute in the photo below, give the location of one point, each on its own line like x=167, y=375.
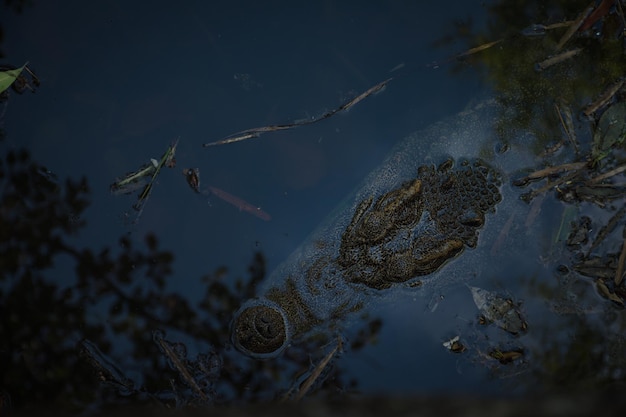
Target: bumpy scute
x=414, y=229
x=405, y=232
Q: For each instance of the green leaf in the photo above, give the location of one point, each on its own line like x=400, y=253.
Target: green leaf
x=611, y=131
x=8, y=77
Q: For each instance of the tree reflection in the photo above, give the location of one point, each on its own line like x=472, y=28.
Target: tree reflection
x=38, y=319
x=510, y=67
x=581, y=347
x=44, y=325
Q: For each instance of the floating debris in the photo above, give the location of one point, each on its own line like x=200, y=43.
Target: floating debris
x=134, y=180
x=541, y=30
x=579, y=233
x=567, y=121
x=608, y=228
x=557, y=59
x=501, y=311
x=454, y=345
x=577, y=184
x=166, y=160
x=198, y=376
x=609, y=294
x=531, y=31
x=345, y=107
x=479, y=48
x=317, y=371
x=145, y=177
x=256, y=132
x=598, y=194
x=506, y=356
x=240, y=203
x=192, y=175
x=14, y=77
x=534, y=30
x=549, y=171
x=597, y=267
x=604, y=98
x=599, y=12
x=415, y=284
x=177, y=356
x=574, y=26
x=106, y=370
x=608, y=174
x=237, y=137
x=397, y=67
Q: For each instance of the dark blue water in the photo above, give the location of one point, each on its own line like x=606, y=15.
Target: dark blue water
x=120, y=82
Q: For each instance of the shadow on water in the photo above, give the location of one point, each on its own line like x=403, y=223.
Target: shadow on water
x=55, y=352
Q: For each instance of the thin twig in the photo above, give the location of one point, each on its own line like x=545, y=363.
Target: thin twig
x=166, y=160
x=607, y=174
x=308, y=383
x=604, y=98
x=608, y=228
x=181, y=368
x=574, y=27
x=553, y=184
x=256, y=132
x=545, y=172
x=557, y=59
x=479, y=48
x=236, y=138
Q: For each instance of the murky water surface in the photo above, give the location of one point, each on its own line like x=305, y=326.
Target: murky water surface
x=352, y=245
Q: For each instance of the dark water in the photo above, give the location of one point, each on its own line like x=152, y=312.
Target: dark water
x=120, y=82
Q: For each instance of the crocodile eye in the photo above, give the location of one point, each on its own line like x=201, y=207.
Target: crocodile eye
x=260, y=330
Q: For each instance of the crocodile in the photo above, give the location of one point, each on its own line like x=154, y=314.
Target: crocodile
x=405, y=222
